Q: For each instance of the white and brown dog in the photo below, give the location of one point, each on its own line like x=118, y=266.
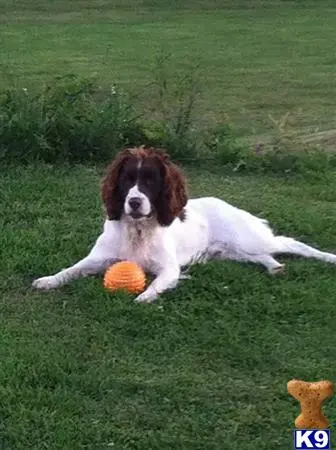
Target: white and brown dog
x=151, y=221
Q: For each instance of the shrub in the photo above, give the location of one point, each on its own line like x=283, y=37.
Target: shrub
x=74, y=120
x=68, y=121
x=222, y=143
x=173, y=125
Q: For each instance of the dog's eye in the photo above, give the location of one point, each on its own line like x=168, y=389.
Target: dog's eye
x=130, y=178
x=149, y=178
x=150, y=181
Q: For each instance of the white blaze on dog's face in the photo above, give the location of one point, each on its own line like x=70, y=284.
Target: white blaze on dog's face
x=140, y=183
x=137, y=204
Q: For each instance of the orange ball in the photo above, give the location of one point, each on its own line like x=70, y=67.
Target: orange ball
x=125, y=275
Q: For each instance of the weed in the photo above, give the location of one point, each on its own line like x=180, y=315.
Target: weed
x=69, y=120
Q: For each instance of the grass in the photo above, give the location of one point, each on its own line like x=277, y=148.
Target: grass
x=207, y=366
x=204, y=368
x=255, y=58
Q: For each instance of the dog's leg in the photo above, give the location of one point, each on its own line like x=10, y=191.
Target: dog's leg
x=98, y=260
x=271, y=264
x=85, y=267
x=167, y=279
x=289, y=245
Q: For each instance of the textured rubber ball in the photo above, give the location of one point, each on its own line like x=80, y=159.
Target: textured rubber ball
x=125, y=275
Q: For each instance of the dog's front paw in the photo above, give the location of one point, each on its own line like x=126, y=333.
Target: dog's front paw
x=46, y=283
x=149, y=296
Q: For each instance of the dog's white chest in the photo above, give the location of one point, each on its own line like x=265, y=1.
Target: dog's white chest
x=138, y=244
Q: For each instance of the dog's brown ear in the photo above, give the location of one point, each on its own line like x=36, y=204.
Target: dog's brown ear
x=174, y=195
x=111, y=195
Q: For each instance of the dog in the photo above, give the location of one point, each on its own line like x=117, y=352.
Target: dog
x=151, y=221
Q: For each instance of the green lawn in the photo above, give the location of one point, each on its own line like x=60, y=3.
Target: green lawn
x=206, y=367
x=254, y=61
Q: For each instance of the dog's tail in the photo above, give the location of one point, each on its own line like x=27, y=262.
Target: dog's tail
x=289, y=245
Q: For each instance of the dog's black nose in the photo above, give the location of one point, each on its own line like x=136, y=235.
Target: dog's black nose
x=135, y=203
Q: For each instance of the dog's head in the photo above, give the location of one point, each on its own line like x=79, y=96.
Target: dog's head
x=143, y=182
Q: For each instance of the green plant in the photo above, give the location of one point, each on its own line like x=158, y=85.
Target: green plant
x=176, y=99
x=70, y=120
x=75, y=120
x=223, y=145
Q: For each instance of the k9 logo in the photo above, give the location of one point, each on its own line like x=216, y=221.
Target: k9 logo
x=312, y=439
